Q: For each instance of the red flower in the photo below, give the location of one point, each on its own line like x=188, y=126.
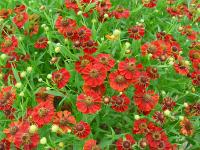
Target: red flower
x=136, y=32
x=121, y=12
x=83, y=34
x=175, y=49
x=91, y=145
x=120, y=103
x=106, y=60
x=168, y=103
x=157, y=137
x=196, y=78
x=61, y=77
x=64, y=119
x=43, y=113
x=4, y=145
x=118, y=81
x=100, y=90
x=20, y=19
x=196, y=65
x=82, y=129
x=65, y=25
x=25, y=140
x=9, y=44
x=152, y=72
x=83, y=62
x=90, y=47
x=9, y=113
x=194, y=55
x=151, y=48
x=88, y=103
x=12, y=130
x=159, y=117
x=149, y=3
x=94, y=74
x=32, y=29
x=42, y=96
x=7, y=97
x=41, y=43
x=188, y=31
x=4, y=13
x=125, y=143
x=142, y=81
x=140, y=126
x=146, y=100
x=19, y=8
x=128, y=68
x=71, y=4
x=181, y=67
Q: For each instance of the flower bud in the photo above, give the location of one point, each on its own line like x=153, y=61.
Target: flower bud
x=116, y=32
x=137, y=117
x=18, y=85
x=29, y=69
x=167, y=112
x=49, y=76
x=43, y=141
x=55, y=128
x=23, y=74
x=33, y=129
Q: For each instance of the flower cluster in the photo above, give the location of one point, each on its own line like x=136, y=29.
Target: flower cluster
x=99, y=74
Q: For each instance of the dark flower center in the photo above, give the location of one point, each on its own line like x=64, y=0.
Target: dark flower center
x=126, y=144
x=64, y=23
x=131, y=66
x=143, y=126
x=8, y=43
x=88, y=100
x=174, y=49
x=43, y=112
x=81, y=33
x=69, y=33
x=84, y=62
x=151, y=49
x=120, y=79
x=19, y=17
x=26, y=138
x=58, y=76
x=13, y=130
x=198, y=77
x=2, y=146
x=196, y=55
x=154, y=70
x=79, y=127
x=41, y=40
x=161, y=145
x=77, y=43
x=156, y=136
x=147, y=98
x=94, y=73
x=120, y=9
x=144, y=80
x=188, y=126
x=134, y=30
x=104, y=60
x=119, y=101
x=89, y=43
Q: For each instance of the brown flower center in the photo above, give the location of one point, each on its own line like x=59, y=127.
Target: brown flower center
x=58, y=76
x=119, y=101
x=147, y=98
x=134, y=30
x=120, y=79
x=26, y=138
x=126, y=144
x=143, y=126
x=88, y=100
x=151, y=49
x=104, y=60
x=156, y=136
x=131, y=66
x=81, y=33
x=94, y=73
x=13, y=130
x=89, y=43
x=2, y=146
x=64, y=23
x=196, y=55
x=43, y=112
x=174, y=49
x=8, y=43
x=84, y=62
x=79, y=127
